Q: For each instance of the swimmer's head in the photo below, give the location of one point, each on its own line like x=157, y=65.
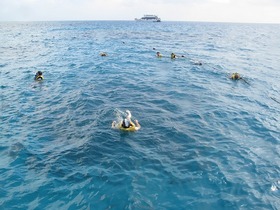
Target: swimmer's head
x=235, y=76
x=197, y=63
x=158, y=55
x=39, y=75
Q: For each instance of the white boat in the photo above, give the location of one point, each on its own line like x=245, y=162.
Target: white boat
x=150, y=18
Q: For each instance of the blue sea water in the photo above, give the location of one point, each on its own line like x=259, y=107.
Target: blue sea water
x=206, y=142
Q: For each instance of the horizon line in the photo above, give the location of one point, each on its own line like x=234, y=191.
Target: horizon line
x=191, y=21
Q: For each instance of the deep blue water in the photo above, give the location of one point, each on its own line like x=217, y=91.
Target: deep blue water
x=206, y=142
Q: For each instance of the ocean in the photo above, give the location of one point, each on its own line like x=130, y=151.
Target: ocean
x=206, y=141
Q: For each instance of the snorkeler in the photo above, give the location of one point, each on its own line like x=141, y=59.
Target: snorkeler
x=39, y=76
x=103, y=54
x=196, y=62
x=235, y=76
x=159, y=55
x=127, y=124
x=173, y=56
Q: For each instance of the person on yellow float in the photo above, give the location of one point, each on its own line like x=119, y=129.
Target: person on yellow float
x=127, y=124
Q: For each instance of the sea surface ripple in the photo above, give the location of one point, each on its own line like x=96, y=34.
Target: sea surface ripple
x=206, y=142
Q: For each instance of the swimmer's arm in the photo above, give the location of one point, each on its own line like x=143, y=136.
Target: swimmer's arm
x=137, y=125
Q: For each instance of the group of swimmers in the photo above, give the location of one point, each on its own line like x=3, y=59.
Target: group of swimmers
x=233, y=76
x=127, y=124
x=173, y=55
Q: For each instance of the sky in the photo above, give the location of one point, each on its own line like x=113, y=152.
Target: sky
x=243, y=11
